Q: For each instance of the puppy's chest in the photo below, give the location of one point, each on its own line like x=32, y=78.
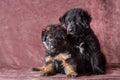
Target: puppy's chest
x=59, y=57
x=81, y=47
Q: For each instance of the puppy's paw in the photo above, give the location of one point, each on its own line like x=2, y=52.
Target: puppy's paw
x=47, y=74
x=72, y=75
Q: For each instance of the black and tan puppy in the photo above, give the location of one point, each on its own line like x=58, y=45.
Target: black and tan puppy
x=81, y=36
x=59, y=58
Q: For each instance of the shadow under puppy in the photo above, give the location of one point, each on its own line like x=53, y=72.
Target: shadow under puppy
x=81, y=36
x=59, y=58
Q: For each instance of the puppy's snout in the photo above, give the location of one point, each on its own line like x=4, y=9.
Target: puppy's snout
x=52, y=47
x=70, y=29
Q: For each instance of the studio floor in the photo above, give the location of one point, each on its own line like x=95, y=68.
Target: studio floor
x=113, y=73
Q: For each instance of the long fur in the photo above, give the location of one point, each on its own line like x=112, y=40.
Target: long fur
x=82, y=38
x=59, y=57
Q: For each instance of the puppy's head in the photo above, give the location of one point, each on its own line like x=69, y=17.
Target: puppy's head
x=54, y=37
x=76, y=20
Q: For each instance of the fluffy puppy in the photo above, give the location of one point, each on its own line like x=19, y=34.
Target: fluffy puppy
x=81, y=36
x=59, y=58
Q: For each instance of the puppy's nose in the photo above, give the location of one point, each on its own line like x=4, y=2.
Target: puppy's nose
x=52, y=47
x=70, y=30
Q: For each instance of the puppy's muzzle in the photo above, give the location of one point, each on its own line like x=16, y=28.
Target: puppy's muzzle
x=71, y=28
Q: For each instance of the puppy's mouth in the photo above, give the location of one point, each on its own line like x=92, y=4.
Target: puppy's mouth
x=70, y=32
x=52, y=50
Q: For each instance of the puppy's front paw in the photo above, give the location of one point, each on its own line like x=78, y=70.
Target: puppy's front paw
x=72, y=75
x=47, y=73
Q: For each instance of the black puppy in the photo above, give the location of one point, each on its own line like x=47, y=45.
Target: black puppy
x=59, y=58
x=81, y=36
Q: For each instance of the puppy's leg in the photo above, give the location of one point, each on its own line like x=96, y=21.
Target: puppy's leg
x=48, y=68
x=98, y=63
x=68, y=64
x=70, y=69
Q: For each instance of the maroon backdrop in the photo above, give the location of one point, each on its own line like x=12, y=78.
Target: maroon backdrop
x=21, y=22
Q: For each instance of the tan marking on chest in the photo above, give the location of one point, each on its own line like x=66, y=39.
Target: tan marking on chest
x=62, y=56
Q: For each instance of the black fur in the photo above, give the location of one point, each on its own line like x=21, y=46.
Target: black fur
x=80, y=36
x=53, y=38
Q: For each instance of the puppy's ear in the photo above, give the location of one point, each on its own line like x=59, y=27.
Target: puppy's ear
x=86, y=19
x=43, y=34
x=62, y=18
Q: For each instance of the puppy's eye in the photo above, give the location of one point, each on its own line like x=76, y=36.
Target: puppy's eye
x=68, y=20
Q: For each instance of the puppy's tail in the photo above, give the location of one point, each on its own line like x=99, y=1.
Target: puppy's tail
x=38, y=69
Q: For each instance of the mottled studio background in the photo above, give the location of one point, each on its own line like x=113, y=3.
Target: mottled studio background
x=21, y=22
